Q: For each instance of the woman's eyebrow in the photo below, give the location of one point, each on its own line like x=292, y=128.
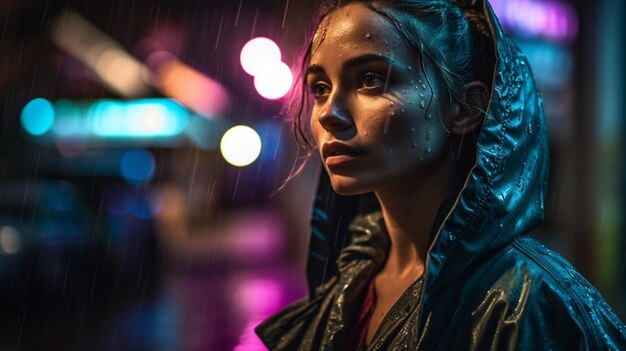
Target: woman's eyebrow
x=370, y=58
x=313, y=69
x=358, y=61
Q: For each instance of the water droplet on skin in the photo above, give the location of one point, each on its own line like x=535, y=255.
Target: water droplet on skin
x=391, y=103
x=429, y=150
x=422, y=105
x=412, y=130
x=423, y=86
x=402, y=110
x=410, y=68
x=421, y=95
x=368, y=35
x=429, y=116
x=428, y=135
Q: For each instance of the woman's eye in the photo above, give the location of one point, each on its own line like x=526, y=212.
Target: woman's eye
x=372, y=81
x=319, y=89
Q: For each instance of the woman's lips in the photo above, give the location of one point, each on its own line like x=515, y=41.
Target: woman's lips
x=337, y=160
x=337, y=153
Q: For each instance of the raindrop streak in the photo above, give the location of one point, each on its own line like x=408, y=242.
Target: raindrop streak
x=156, y=17
x=386, y=125
x=256, y=14
x=67, y=268
x=236, y=184
x=219, y=33
x=458, y=152
x=93, y=284
x=285, y=14
x=209, y=198
x=193, y=173
x=238, y=12
x=278, y=142
x=387, y=78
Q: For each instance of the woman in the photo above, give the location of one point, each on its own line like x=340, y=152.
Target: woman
x=430, y=107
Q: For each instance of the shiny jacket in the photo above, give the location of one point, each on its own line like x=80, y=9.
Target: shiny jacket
x=487, y=285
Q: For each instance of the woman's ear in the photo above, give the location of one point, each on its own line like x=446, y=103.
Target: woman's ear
x=470, y=108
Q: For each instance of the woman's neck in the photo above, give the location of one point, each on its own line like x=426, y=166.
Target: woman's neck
x=409, y=210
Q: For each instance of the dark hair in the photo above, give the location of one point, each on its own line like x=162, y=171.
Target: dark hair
x=458, y=45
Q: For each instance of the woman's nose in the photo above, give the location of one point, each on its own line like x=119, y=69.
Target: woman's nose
x=335, y=116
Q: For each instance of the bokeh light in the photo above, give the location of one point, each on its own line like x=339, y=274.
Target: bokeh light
x=10, y=241
x=240, y=146
x=190, y=87
x=554, y=20
x=139, y=118
x=137, y=166
x=274, y=82
x=37, y=116
x=257, y=54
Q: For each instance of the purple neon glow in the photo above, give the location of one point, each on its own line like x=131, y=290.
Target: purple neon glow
x=257, y=299
x=257, y=54
x=274, y=81
x=550, y=19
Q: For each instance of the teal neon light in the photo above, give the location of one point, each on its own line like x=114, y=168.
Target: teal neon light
x=142, y=118
x=109, y=119
x=38, y=116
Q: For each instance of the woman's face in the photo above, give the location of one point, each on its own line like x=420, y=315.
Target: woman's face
x=376, y=117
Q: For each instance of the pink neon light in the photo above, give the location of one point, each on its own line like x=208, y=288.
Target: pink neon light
x=550, y=19
x=274, y=81
x=257, y=54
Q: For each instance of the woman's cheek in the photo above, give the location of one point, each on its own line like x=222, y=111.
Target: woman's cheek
x=431, y=140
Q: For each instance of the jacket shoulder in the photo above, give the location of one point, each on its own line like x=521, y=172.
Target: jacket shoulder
x=539, y=299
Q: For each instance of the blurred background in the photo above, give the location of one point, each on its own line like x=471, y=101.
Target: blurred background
x=139, y=160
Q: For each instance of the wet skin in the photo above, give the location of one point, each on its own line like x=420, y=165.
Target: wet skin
x=372, y=95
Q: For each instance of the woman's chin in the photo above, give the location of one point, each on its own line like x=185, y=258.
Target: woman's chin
x=347, y=186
